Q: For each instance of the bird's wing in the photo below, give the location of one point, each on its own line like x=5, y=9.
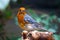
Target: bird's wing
x=29, y=19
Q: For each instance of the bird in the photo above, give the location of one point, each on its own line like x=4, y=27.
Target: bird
x=26, y=22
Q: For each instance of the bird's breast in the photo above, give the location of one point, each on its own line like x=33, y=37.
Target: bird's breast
x=21, y=18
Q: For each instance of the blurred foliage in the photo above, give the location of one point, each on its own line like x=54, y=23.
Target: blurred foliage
x=8, y=14
x=4, y=16
x=19, y=1
x=1, y=27
x=16, y=38
x=57, y=37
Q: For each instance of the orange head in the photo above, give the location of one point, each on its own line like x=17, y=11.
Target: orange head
x=22, y=10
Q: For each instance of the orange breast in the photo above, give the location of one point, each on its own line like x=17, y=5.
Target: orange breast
x=21, y=18
x=21, y=21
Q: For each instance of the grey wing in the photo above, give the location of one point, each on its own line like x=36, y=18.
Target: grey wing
x=29, y=19
x=35, y=25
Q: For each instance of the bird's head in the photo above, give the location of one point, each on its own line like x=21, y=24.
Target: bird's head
x=22, y=10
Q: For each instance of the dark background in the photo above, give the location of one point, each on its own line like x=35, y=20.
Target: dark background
x=48, y=5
